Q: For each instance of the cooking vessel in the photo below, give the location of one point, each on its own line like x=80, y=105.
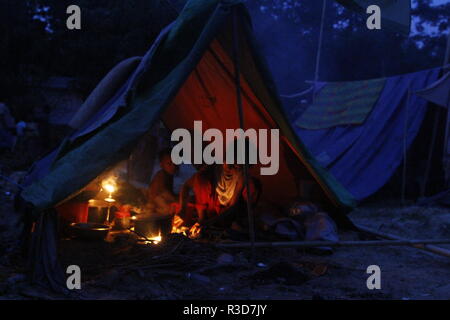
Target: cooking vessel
x=89, y=231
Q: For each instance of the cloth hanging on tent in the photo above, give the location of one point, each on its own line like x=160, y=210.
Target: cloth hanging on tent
x=364, y=157
x=341, y=103
x=395, y=14
x=438, y=92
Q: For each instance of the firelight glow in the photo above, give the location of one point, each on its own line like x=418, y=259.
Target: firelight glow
x=109, y=187
x=157, y=239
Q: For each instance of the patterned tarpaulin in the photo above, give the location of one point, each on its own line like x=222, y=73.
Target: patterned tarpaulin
x=341, y=103
x=364, y=157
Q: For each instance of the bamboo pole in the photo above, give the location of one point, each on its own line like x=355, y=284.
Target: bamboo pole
x=447, y=124
x=319, y=48
x=405, y=148
x=434, y=249
x=310, y=244
x=237, y=75
x=445, y=152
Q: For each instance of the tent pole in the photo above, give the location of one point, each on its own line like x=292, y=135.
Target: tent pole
x=319, y=49
x=447, y=124
x=430, y=152
x=405, y=132
x=237, y=80
x=445, y=154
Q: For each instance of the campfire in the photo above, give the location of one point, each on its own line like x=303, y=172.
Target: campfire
x=150, y=240
x=149, y=237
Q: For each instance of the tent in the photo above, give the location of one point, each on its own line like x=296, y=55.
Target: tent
x=363, y=135
x=439, y=93
x=188, y=74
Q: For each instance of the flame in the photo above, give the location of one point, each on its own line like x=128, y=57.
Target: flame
x=156, y=239
x=109, y=185
x=182, y=230
x=177, y=226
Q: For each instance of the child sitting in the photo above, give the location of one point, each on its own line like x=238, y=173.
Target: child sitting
x=160, y=193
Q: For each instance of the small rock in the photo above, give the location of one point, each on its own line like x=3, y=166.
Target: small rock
x=261, y=265
x=198, y=278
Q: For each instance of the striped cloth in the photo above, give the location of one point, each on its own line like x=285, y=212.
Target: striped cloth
x=341, y=103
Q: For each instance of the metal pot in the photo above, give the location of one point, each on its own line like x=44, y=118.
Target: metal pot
x=89, y=231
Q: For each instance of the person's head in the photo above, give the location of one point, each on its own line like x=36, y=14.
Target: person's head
x=165, y=162
x=231, y=169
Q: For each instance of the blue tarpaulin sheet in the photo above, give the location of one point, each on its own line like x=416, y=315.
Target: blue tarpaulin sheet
x=364, y=157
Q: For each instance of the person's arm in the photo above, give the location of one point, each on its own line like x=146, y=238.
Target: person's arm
x=229, y=212
x=155, y=186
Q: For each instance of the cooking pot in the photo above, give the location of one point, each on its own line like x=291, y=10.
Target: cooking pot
x=89, y=231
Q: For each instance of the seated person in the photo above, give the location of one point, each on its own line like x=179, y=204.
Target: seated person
x=160, y=193
x=220, y=198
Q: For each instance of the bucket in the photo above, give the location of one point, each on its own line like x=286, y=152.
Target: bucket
x=97, y=214
x=73, y=212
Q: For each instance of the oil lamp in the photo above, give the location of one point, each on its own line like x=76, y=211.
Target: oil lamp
x=109, y=186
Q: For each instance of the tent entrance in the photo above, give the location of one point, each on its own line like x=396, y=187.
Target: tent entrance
x=208, y=95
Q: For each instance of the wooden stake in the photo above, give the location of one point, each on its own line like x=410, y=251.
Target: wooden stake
x=434, y=249
x=311, y=244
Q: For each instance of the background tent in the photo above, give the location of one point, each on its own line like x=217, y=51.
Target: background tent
x=186, y=75
x=439, y=94
x=364, y=156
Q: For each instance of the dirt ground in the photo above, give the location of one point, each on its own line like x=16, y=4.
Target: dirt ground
x=184, y=269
